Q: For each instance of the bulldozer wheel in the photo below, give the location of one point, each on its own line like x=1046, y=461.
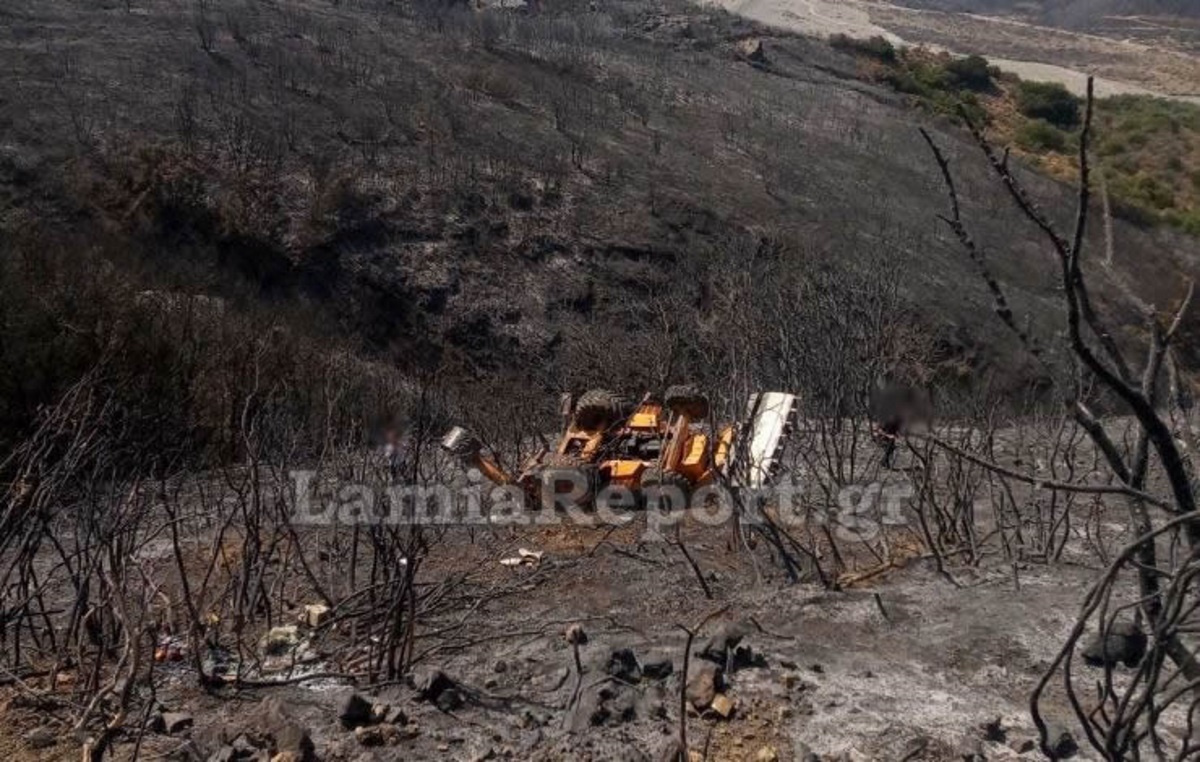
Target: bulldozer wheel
x=685, y=399
x=664, y=490
x=556, y=464
x=598, y=409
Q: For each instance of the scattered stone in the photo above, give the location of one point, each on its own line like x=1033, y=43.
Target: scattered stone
x=575, y=635
x=605, y=704
x=314, y=615
x=450, y=700
x=658, y=667
x=155, y=723
x=41, y=738
x=376, y=735
x=244, y=748
x=280, y=640
x=721, y=646
x=623, y=665
x=993, y=730
x=356, y=712
x=431, y=683
x=723, y=705
x=1124, y=643
x=819, y=669
x=501, y=667
x=702, y=685
x=786, y=664
x=767, y=754
x=1025, y=746
x=272, y=722
x=177, y=722
x=491, y=683
x=1060, y=742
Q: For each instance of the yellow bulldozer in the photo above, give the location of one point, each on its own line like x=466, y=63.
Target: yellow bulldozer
x=663, y=447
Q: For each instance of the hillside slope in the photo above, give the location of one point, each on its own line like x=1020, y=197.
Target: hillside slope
x=1076, y=14
x=523, y=192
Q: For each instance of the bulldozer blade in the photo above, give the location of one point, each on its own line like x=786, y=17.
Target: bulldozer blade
x=461, y=442
x=770, y=418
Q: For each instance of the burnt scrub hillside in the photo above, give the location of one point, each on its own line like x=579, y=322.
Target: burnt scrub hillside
x=257, y=258
x=550, y=194
x=1074, y=14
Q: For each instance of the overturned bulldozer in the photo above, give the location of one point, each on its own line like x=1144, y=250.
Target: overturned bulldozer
x=660, y=450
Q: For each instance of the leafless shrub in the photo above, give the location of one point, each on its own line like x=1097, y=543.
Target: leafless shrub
x=1121, y=716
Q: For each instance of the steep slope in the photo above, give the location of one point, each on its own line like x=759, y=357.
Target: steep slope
x=522, y=190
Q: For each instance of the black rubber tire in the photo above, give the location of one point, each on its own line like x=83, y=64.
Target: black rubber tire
x=598, y=409
x=685, y=399
x=660, y=489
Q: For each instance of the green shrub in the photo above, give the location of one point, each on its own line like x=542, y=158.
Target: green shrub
x=903, y=81
x=971, y=73
x=1050, y=101
x=1040, y=136
x=875, y=47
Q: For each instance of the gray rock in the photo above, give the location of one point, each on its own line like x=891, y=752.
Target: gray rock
x=223, y=754
x=605, y=704
x=1123, y=643
x=658, y=667
x=177, y=722
x=993, y=730
x=449, y=700
x=396, y=716
x=431, y=683
x=155, y=723
x=752, y=49
x=725, y=640
x=704, y=680
x=623, y=665
x=41, y=738
x=1060, y=742
x=356, y=712
x=272, y=722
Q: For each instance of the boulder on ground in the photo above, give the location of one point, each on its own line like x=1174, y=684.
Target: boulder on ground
x=724, y=642
x=430, y=683
x=623, y=665
x=41, y=738
x=177, y=722
x=752, y=49
x=704, y=680
x=356, y=712
x=1123, y=643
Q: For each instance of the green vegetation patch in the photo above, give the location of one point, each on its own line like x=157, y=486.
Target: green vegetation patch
x=1049, y=101
x=1147, y=148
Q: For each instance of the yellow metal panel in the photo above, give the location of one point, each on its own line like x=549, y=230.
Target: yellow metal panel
x=696, y=448
x=647, y=420
x=624, y=469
